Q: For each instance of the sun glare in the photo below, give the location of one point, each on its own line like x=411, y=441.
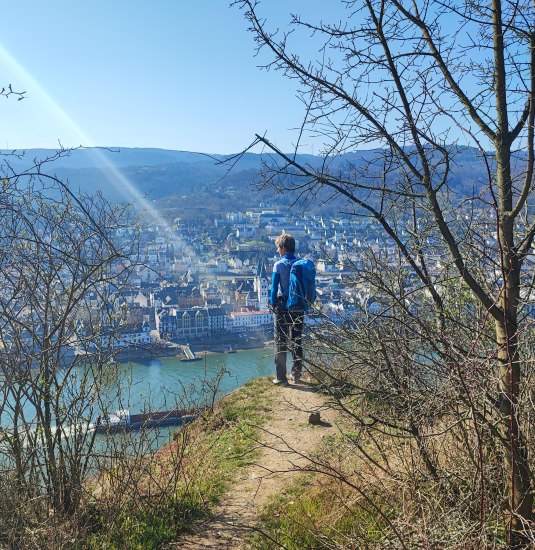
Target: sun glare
x=35, y=92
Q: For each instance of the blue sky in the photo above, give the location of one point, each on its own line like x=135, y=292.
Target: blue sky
x=175, y=74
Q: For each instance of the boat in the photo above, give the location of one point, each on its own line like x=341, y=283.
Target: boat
x=190, y=359
x=122, y=420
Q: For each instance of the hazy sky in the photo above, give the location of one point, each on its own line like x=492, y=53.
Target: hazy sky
x=175, y=74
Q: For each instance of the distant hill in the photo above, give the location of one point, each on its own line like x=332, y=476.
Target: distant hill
x=184, y=180
x=119, y=157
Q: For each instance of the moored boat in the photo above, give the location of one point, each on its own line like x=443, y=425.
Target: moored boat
x=122, y=420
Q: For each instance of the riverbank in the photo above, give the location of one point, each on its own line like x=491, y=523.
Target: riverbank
x=216, y=344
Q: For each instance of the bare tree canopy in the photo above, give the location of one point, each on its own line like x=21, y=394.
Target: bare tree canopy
x=431, y=86
x=60, y=268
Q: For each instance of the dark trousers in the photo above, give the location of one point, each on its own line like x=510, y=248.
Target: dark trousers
x=288, y=337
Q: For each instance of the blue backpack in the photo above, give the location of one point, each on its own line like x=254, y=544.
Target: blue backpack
x=302, y=289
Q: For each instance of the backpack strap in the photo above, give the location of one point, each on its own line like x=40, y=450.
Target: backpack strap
x=288, y=263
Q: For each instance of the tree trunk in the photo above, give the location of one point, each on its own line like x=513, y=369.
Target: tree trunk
x=519, y=486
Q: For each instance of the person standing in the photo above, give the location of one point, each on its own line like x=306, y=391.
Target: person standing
x=288, y=325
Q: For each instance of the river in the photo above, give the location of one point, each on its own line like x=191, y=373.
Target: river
x=165, y=382
x=162, y=384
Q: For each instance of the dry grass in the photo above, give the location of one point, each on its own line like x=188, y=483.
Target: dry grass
x=372, y=491
x=144, y=501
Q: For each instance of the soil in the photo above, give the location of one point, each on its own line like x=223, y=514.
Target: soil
x=284, y=445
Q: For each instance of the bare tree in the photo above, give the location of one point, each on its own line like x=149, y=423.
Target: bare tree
x=414, y=81
x=60, y=267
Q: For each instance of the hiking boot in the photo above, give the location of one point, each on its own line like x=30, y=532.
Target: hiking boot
x=277, y=382
x=295, y=376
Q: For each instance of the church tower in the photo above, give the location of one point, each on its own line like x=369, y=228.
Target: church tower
x=261, y=286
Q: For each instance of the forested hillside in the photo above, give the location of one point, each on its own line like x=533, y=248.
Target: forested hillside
x=192, y=184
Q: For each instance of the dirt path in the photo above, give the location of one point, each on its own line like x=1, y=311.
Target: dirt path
x=288, y=435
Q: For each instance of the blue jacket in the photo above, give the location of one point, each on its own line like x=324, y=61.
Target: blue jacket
x=280, y=278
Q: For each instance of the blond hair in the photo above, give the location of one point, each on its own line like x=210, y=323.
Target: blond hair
x=286, y=241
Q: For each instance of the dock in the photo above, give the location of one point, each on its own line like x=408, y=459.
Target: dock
x=190, y=356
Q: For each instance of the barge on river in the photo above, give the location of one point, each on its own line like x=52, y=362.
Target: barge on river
x=124, y=421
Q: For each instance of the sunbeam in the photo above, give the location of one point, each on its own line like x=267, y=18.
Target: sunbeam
x=109, y=170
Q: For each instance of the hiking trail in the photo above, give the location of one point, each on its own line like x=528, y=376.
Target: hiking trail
x=284, y=442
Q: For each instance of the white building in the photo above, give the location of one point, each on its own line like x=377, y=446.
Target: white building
x=249, y=320
x=127, y=336
x=261, y=286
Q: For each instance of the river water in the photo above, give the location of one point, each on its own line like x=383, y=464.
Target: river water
x=163, y=384
x=166, y=382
